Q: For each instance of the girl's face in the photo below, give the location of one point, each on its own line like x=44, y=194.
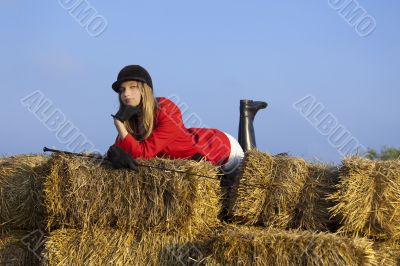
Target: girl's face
x=129, y=93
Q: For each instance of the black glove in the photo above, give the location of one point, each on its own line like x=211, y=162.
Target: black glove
x=120, y=159
x=125, y=112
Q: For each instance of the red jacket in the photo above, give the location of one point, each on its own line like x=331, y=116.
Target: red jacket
x=171, y=138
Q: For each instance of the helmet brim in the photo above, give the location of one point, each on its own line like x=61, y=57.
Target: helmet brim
x=115, y=86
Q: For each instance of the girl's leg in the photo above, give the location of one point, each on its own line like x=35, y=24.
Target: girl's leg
x=230, y=170
x=247, y=141
x=235, y=157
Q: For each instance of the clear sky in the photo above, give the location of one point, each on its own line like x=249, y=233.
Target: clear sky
x=209, y=54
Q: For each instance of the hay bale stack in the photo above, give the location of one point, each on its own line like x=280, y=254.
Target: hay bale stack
x=79, y=193
x=21, y=199
x=312, y=210
x=241, y=245
x=14, y=250
x=388, y=253
x=95, y=246
x=368, y=198
x=282, y=192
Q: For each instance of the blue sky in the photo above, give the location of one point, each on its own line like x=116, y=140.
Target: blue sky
x=210, y=54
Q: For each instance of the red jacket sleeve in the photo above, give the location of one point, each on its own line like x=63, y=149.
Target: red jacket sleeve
x=168, y=121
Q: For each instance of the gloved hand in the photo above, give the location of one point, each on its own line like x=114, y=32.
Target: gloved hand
x=120, y=159
x=125, y=112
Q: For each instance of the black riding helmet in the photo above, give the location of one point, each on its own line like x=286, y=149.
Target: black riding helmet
x=132, y=72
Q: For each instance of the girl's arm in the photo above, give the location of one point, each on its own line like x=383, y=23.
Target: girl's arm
x=122, y=131
x=168, y=126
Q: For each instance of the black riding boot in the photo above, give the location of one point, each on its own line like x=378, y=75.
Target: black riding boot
x=248, y=110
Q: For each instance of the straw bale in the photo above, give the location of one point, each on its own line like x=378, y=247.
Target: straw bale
x=21, y=195
x=367, y=200
x=269, y=189
x=312, y=210
x=95, y=246
x=387, y=253
x=14, y=250
x=79, y=193
x=242, y=245
x=89, y=247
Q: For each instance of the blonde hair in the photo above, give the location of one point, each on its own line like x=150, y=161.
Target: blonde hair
x=149, y=106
